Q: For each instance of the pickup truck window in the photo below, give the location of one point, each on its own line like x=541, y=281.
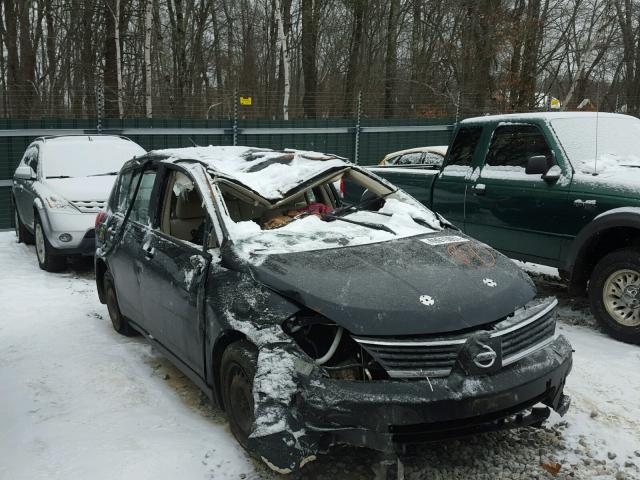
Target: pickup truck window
x=513, y=145
x=464, y=146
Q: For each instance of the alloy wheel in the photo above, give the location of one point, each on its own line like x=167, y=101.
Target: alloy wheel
x=621, y=297
x=40, y=247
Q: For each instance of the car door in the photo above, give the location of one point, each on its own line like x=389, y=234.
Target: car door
x=511, y=210
x=24, y=190
x=126, y=256
x=175, y=263
x=450, y=186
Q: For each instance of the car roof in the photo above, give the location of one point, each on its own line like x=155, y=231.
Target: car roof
x=270, y=173
x=439, y=149
x=538, y=116
x=85, y=136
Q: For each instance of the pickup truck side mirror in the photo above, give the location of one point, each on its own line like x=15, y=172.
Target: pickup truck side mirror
x=553, y=175
x=24, y=172
x=537, y=165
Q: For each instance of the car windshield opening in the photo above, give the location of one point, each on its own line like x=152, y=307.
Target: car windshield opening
x=326, y=215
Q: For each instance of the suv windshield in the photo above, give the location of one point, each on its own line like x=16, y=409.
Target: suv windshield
x=83, y=158
x=598, y=143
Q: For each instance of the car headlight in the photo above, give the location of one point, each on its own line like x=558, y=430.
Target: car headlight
x=58, y=203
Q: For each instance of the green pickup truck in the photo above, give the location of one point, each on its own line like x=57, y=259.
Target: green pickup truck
x=558, y=189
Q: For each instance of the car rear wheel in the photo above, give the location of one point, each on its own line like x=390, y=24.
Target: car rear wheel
x=120, y=322
x=23, y=235
x=47, y=259
x=614, y=293
x=238, y=369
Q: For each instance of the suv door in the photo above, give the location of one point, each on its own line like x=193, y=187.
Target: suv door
x=450, y=186
x=511, y=210
x=24, y=192
x=126, y=255
x=175, y=263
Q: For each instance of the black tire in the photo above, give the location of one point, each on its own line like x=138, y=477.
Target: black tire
x=619, y=317
x=238, y=368
x=23, y=235
x=120, y=322
x=48, y=259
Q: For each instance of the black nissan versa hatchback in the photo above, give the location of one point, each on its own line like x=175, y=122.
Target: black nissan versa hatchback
x=312, y=321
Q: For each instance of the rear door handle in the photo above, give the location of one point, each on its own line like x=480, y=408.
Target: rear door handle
x=149, y=252
x=479, y=188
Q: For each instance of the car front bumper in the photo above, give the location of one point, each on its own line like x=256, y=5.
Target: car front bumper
x=80, y=227
x=391, y=415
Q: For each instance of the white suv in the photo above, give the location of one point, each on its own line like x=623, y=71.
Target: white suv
x=59, y=186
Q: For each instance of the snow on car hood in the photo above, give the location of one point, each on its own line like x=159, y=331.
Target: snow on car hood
x=434, y=283
x=267, y=172
x=83, y=188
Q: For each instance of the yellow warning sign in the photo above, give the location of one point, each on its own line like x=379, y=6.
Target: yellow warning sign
x=555, y=103
x=246, y=101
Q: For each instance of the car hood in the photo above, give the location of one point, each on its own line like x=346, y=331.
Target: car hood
x=419, y=285
x=83, y=188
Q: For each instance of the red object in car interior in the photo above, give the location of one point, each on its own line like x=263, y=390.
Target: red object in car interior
x=101, y=217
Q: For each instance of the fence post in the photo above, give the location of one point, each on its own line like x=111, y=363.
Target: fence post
x=99, y=106
x=235, y=117
x=356, y=150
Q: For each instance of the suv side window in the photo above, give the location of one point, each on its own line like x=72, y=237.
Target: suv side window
x=31, y=158
x=140, y=209
x=513, y=145
x=464, y=146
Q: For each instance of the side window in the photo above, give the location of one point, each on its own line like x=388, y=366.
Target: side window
x=183, y=214
x=393, y=160
x=464, y=146
x=122, y=192
x=31, y=158
x=431, y=158
x=513, y=145
x=140, y=209
x=410, y=159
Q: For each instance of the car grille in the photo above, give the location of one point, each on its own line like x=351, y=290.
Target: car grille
x=435, y=357
x=89, y=206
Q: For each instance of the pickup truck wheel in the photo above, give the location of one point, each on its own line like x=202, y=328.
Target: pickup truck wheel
x=23, y=235
x=614, y=293
x=47, y=259
x=238, y=367
x=120, y=322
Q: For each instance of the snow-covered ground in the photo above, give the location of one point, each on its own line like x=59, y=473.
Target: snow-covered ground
x=79, y=401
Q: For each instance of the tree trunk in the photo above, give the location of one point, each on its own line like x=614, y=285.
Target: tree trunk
x=309, y=46
x=353, y=66
x=284, y=49
x=148, y=18
x=391, y=57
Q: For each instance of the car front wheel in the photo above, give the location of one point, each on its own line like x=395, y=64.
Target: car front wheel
x=47, y=259
x=238, y=368
x=614, y=293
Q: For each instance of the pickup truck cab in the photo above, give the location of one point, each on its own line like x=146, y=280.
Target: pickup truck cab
x=558, y=189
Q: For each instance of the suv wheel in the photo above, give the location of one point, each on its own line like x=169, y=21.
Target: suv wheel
x=23, y=235
x=614, y=293
x=47, y=259
x=120, y=322
x=238, y=368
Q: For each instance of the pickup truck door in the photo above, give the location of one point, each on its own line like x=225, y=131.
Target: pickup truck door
x=517, y=213
x=451, y=184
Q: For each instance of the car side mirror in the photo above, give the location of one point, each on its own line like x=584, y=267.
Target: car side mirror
x=537, y=165
x=552, y=175
x=24, y=172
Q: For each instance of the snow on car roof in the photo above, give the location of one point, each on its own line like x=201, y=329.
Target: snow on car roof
x=270, y=173
x=514, y=117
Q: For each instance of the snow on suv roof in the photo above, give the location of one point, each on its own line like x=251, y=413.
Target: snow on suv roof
x=270, y=173
x=514, y=117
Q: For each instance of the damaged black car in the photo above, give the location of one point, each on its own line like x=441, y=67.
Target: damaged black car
x=313, y=321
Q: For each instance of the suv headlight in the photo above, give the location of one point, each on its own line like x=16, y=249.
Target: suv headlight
x=58, y=203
